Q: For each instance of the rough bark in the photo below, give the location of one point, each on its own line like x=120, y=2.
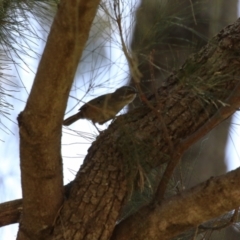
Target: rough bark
x=94, y=202
x=166, y=32
x=194, y=100
x=184, y=211
x=41, y=121
x=204, y=92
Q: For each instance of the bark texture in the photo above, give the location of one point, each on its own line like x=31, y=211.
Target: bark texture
x=41, y=121
x=192, y=101
x=166, y=32
x=184, y=211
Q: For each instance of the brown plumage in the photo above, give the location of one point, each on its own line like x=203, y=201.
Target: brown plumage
x=105, y=107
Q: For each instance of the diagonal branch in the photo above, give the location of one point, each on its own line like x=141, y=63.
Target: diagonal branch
x=199, y=96
x=204, y=92
x=187, y=210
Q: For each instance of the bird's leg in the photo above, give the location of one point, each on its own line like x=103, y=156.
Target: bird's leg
x=96, y=127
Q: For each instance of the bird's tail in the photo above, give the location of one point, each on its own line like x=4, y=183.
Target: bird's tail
x=73, y=119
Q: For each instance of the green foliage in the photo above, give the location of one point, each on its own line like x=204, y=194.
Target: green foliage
x=18, y=22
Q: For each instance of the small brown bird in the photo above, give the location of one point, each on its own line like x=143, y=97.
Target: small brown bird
x=105, y=107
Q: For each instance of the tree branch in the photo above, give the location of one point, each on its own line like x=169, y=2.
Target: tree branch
x=10, y=212
x=203, y=93
x=184, y=211
x=41, y=121
x=205, y=89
